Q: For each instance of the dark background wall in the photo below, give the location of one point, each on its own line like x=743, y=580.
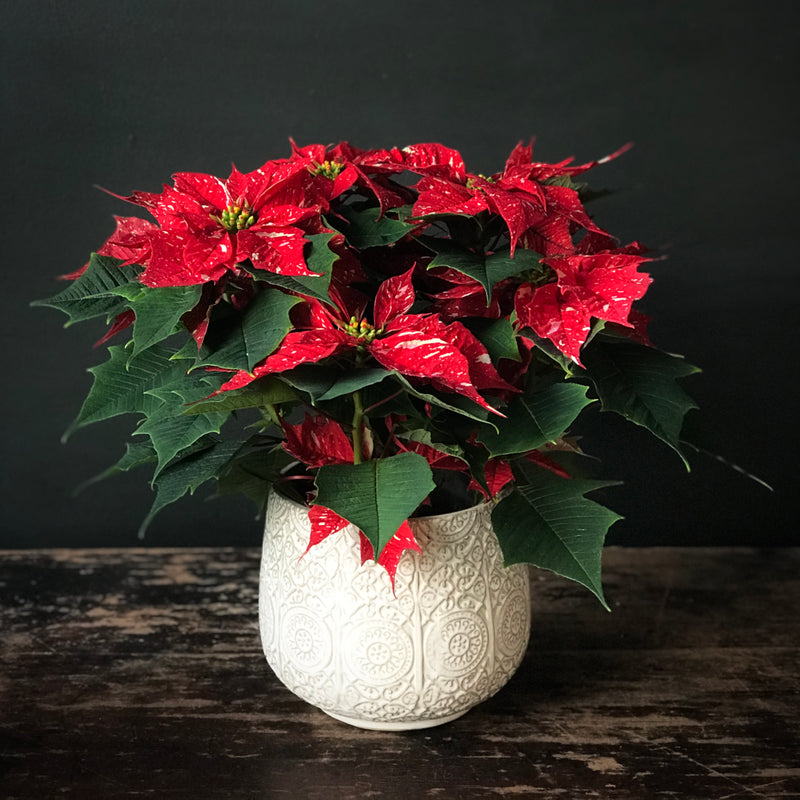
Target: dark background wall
x=125, y=93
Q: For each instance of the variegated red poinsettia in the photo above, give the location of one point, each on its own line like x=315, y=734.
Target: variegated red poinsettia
x=419, y=346
x=208, y=227
x=385, y=307
x=524, y=194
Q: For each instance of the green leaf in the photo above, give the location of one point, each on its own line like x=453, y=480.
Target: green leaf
x=187, y=475
x=137, y=454
x=376, y=496
x=265, y=323
x=547, y=348
x=477, y=458
x=497, y=336
x=388, y=398
x=535, y=419
x=253, y=473
x=170, y=430
x=488, y=270
x=459, y=405
x=121, y=386
x=313, y=379
x=93, y=293
x=640, y=383
x=307, y=286
x=265, y=391
x=171, y=434
x=130, y=291
x=252, y=335
x=326, y=381
x=366, y=228
x=320, y=260
x=548, y=522
x=158, y=312
x=187, y=388
x=358, y=378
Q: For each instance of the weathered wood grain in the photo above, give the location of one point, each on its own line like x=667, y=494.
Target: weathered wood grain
x=138, y=673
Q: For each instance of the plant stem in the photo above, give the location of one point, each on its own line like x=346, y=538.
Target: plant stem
x=273, y=414
x=358, y=426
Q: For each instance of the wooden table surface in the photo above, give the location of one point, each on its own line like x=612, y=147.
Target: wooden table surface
x=139, y=673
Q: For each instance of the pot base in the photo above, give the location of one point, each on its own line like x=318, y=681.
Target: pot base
x=413, y=725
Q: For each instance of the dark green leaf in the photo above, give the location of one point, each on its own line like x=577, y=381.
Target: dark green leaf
x=426, y=437
x=137, y=454
x=252, y=335
x=265, y=391
x=376, y=496
x=171, y=431
x=535, y=419
x=497, y=336
x=548, y=522
x=359, y=378
x=187, y=475
x=640, y=383
x=321, y=258
x=458, y=404
x=488, y=270
x=158, y=312
x=308, y=286
x=324, y=382
x=366, y=228
x=93, y=293
x=186, y=388
x=121, y=386
x=170, y=434
x=313, y=379
x=253, y=473
x=547, y=348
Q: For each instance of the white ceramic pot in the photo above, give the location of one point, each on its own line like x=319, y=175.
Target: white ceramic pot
x=336, y=635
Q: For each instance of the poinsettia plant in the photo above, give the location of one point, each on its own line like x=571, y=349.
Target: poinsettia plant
x=413, y=337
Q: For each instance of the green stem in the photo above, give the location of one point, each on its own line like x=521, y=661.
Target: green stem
x=273, y=414
x=358, y=427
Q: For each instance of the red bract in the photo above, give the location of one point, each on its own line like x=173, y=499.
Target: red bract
x=415, y=345
x=536, y=210
x=130, y=243
x=521, y=159
x=497, y=474
x=535, y=457
x=601, y=286
x=317, y=442
x=121, y=322
x=391, y=554
x=519, y=206
x=299, y=347
x=325, y=523
x=447, y=188
x=466, y=297
x=497, y=471
x=318, y=174
x=208, y=226
x=435, y=160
